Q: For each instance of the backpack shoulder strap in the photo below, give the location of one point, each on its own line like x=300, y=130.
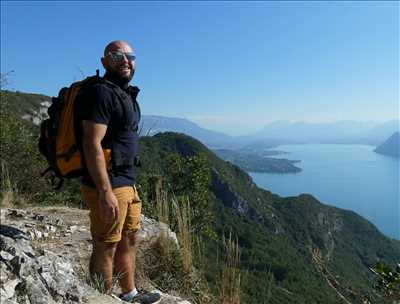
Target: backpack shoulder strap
x=134, y=91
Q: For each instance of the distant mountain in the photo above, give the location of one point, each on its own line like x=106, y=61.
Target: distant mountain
x=152, y=124
x=335, y=132
x=33, y=108
x=391, y=146
x=381, y=131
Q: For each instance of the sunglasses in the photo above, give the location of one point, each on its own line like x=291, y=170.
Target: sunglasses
x=118, y=56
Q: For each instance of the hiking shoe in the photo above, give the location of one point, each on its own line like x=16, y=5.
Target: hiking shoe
x=144, y=297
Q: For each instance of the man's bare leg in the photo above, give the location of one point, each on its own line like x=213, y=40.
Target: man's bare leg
x=101, y=263
x=125, y=262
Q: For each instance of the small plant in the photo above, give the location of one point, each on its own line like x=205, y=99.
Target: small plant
x=98, y=282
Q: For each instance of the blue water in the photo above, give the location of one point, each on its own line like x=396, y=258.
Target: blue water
x=351, y=177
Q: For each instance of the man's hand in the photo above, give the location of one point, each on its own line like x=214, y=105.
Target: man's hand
x=93, y=134
x=108, y=206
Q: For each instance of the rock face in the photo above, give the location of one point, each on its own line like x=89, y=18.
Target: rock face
x=37, y=277
x=232, y=199
x=37, y=116
x=41, y=258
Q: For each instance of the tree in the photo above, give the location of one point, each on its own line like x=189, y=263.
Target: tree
x=189, y=178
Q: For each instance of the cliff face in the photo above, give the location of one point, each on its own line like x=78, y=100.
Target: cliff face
x=391, y=146
x=44, y=253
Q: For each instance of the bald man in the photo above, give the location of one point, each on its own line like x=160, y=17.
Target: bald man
x=110, y=116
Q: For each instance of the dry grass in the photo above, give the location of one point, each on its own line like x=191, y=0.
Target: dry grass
x=163, y=213
x=230, y=280
x=9, y=195
x=182, y=211
x=173, y=269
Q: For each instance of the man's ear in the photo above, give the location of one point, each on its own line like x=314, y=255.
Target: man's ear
x=103, y=62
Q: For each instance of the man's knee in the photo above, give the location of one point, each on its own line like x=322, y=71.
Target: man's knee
x=104, y=248
x=132, y=238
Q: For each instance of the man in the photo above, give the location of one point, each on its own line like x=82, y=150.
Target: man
x=110, y=116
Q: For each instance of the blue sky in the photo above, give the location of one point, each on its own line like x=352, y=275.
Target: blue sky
x=229, y=66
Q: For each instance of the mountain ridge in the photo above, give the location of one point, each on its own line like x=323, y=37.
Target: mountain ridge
x=273, y=134
x=391, y=146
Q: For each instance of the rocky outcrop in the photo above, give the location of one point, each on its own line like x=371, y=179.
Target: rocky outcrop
x=231, y=199
x=42, y=252
x=30, y=276
x=37, y=116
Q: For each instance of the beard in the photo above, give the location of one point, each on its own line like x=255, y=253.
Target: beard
x=119, y=77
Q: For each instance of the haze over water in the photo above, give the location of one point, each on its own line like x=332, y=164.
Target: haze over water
x=351, y=177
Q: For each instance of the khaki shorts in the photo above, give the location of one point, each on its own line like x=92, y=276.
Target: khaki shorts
x=130, y=207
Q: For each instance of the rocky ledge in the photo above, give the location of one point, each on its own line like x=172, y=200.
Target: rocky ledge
x=44, y=254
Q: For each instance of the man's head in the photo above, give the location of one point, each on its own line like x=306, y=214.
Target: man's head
x=119, y=60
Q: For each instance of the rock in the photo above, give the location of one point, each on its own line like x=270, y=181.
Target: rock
x=13, y=232
x=5, y=256
x=21, y=264
x=8, y=289
x=168, y=299
x=17, y=213
x=8, y=301
x=19, y=247
x=72, y=229
x=5, y=274
x=59, y=222
x=39, y=217
x=37, y=291
x=52, y=229
x=59, y=276
x=150, y=233
x=3, y=214
x=38, y=234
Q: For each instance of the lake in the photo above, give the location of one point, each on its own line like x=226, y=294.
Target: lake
x=351, y=177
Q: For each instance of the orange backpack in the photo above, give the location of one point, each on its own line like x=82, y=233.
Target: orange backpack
x=58, y=134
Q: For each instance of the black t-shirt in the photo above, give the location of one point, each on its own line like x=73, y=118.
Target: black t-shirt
x=101, y=104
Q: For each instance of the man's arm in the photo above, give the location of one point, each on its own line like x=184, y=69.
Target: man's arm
x=93, y=133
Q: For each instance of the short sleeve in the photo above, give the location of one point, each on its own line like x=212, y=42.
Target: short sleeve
x=96, y=104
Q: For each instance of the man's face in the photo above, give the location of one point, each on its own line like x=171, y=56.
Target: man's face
x=118, y=61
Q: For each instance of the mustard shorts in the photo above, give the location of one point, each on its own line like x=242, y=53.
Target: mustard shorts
x=130, y=207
